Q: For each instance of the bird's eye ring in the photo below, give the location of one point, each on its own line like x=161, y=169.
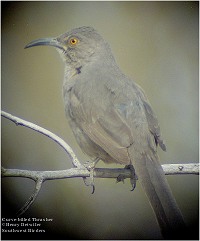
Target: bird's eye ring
x=73, y=41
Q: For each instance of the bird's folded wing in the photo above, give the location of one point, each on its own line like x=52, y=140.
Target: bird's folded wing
x=98, y=134
x=151, y=118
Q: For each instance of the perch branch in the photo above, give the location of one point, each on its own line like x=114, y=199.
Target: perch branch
x=40, y=176
x=79, y=171
x=169, y=169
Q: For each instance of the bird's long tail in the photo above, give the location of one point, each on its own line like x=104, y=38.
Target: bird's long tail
x=152, y=178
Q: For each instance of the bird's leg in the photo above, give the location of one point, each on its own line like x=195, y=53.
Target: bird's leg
x=133, y=177
x=90, y=165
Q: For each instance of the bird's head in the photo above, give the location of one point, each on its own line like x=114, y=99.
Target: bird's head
x=77, y=46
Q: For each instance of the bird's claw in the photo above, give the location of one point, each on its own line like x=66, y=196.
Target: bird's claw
x=133, y=177
x=89, y=181
x=120, y=178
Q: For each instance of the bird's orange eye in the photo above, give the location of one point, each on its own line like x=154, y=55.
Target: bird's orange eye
x=73, y=41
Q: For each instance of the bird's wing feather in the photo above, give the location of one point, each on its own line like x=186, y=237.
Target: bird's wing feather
x=118, y=119
x=118, y=126
x=99, y=135
x=151, y=118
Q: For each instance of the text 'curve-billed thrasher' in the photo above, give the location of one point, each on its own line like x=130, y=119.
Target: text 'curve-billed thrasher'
x=112, y=118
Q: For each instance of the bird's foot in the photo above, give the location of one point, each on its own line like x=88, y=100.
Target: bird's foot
x=133, y=177
x=120, y=178
x=89, y=181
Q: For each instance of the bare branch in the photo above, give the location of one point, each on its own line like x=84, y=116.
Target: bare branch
x=40, y=176
x=32, y=198
x=79, y=171
x=173, y=169
x=57, y=139
x=169, y=169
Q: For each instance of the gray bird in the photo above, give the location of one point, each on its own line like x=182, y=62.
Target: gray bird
x=112, y=119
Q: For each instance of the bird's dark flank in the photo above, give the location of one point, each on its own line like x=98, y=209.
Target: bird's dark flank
x=112, y=118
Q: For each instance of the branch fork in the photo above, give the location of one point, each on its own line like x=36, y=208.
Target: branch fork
x=78, y=169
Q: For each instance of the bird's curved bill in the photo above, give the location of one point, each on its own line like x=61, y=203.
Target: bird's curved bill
x=45, y=41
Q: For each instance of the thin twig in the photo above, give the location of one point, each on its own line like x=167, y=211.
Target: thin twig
x=32, y=198
x=52, y=136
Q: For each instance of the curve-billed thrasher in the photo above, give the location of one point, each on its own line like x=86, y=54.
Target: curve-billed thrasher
x=112, y=118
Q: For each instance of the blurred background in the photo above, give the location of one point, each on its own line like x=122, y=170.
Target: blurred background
x=156, y=44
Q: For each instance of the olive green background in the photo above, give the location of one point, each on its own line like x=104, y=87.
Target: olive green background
x=156, y=44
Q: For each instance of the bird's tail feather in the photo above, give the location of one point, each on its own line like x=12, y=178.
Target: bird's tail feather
x=152, y=178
